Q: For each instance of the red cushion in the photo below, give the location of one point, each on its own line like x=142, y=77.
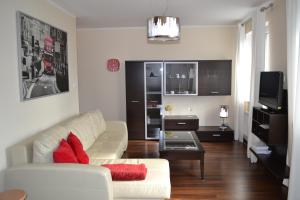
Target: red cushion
x=77, y=147
x=127, y=172
x=64, y=153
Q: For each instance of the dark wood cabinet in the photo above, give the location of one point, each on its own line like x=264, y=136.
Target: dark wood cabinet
x=270, y=127
x=135, y=99
x=214, y=134
x=181, y=122
x=214, y=77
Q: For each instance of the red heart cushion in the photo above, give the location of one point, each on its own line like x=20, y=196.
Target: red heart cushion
x=77, y=147
x=64, y=153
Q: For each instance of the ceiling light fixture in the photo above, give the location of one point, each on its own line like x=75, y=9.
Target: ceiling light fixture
x=163, y=28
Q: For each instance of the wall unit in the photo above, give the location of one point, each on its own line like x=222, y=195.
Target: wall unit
x=148, y=81
x=181, y=78
x=135, y=99
x=143, y=99
x=214, y=134
x=214, y=77
x=181, y=122
x=153, y=99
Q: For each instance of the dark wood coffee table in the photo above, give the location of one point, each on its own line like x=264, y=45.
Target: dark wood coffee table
x=181, y=145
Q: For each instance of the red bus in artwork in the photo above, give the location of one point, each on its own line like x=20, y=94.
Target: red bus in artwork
x=48, y=55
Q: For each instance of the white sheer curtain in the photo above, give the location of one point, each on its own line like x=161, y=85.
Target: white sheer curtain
x=243, y=79
x=258, y=65
x=293, y=77
x=239, y=86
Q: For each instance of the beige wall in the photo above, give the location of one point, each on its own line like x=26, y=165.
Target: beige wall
x=105, y=90
x=18, y=119
x=278, y=40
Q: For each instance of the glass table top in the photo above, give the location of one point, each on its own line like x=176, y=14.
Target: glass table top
x=178, y=135
x=178, y=140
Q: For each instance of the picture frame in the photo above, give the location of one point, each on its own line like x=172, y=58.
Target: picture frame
x=42, y=58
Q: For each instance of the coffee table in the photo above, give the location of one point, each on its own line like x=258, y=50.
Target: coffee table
x=181, y=145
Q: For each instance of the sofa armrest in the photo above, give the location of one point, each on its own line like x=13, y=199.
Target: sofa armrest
x=61, y=181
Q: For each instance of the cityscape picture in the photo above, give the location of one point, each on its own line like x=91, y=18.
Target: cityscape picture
x=43, y=58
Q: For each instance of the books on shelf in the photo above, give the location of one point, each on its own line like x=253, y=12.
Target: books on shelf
x=265, y=126
x=261, y=149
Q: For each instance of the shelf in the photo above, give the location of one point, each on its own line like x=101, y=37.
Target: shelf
x=179, y=78
x=153, y=77
x=182, y=94
x=153, y=92
x=153, y=107
x=272, y=163
x=155, y=121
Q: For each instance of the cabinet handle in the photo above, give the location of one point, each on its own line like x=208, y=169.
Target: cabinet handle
x=216, y=135
x=134, y=101
x=214, y=92
x=181, y=123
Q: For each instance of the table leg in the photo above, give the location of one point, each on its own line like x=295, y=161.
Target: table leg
x=202, y=165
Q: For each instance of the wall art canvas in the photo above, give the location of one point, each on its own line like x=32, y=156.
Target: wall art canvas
x=43, y=58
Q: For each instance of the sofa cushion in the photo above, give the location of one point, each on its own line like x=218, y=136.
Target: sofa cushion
x=46, y=142
x=77, y=148
x=64, y=153
x=82, y=127
x=156, y=185
x=105, y=150
x=98, y=122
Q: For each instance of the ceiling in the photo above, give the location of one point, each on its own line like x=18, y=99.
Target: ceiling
x=134, y=13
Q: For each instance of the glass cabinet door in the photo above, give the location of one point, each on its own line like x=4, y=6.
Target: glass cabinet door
x=153, y=99
x=181, y=78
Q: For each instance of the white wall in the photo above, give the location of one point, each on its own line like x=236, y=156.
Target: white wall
x=18, y=119
x=278, y=39
x=105, y=90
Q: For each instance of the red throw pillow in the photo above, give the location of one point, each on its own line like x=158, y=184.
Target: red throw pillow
x=77, y=147
x=64, y=153
x=127, y=172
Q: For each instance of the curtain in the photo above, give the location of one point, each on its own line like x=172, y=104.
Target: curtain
x=258, y=65
x=239, y=96
x=293, y=77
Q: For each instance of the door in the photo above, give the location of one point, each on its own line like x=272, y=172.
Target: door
x=135, y=100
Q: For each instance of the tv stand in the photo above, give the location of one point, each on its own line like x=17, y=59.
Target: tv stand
x=271, y=127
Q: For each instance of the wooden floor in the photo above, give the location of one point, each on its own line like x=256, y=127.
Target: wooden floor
x=228, y=174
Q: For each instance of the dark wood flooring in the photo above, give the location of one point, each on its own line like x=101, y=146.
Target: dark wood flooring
x=228, y=174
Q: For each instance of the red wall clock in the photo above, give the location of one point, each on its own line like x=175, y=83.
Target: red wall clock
x=113, y=65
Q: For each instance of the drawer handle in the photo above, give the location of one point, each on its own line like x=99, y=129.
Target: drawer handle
x=134, y=101
x=214, y=92
x=181, y=123
x=216, y=135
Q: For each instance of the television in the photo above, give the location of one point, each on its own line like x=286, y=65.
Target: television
x=271, y=90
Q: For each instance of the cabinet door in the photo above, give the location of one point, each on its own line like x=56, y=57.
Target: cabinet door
x=135, y=100
x=214, y=77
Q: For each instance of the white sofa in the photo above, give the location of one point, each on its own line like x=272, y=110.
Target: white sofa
x=31, y=167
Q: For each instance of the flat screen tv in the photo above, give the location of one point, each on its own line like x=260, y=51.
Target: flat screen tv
x=271, y=90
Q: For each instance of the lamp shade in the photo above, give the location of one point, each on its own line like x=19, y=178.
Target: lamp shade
x=224, y=111
x=163, y=28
